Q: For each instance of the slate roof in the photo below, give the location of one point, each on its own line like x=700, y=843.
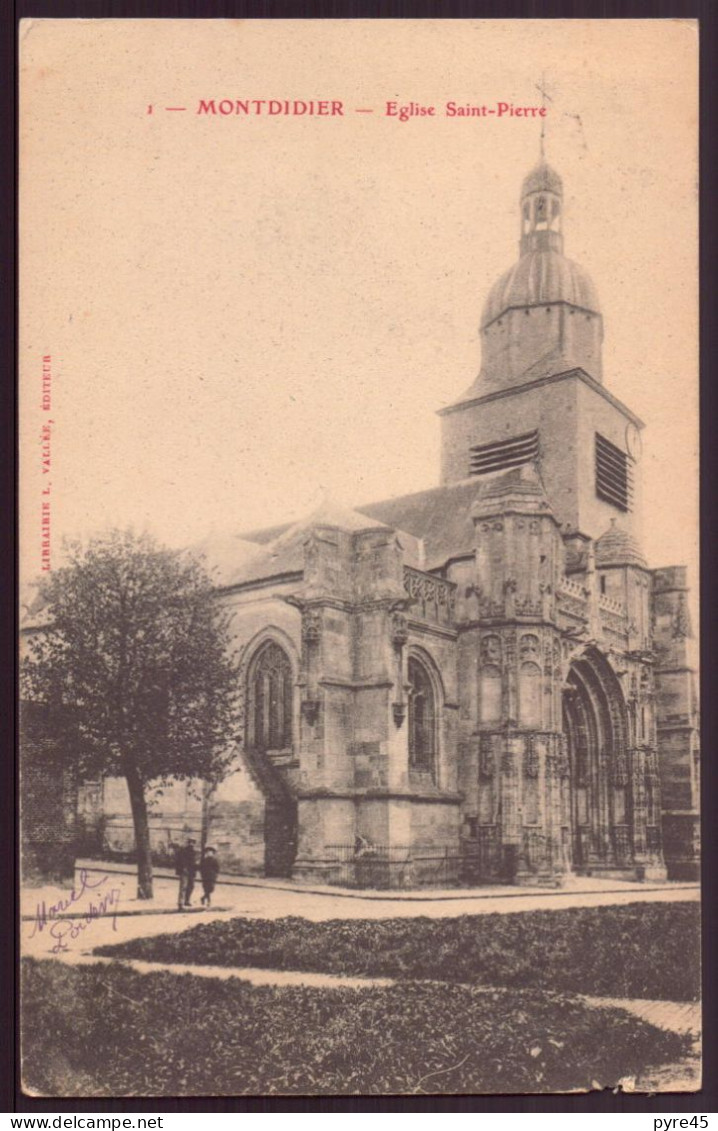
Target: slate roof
x=234, y=559
x=439, y=517
x=279, y=550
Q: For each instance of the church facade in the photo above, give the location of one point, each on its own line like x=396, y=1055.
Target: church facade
x=482, y=682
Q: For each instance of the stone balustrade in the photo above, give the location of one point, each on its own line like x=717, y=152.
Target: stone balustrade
x=611, y=605
x=573, y=589
x=433, y=598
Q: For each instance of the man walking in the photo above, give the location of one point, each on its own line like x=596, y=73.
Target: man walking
x=208, y=870
x=186, y=869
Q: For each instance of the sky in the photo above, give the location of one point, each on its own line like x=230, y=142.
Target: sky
x=244, y=313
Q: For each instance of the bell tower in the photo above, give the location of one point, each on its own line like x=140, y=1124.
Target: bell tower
x=539, y=396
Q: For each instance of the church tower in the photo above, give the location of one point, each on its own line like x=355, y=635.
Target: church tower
x=539, y=396
x=560, y=765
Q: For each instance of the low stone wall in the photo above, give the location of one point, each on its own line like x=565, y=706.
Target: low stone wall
x=236, y=831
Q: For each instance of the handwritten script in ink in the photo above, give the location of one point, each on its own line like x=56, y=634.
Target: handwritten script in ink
x=88, y=901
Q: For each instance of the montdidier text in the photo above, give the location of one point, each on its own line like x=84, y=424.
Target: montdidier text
x=224, y=107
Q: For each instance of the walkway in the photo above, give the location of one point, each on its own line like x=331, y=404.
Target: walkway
x=272, y=899
x=109, y=896
x=677, y=1016
x=251, y=974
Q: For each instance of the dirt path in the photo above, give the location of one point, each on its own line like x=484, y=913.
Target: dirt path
x=673, y=1016
x=676, y=1016
x=254, y=975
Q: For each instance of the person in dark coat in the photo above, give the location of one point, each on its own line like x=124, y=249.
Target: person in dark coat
x=186, y=869
x=208, y=870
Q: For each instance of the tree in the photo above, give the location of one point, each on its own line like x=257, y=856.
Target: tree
x=135, y=670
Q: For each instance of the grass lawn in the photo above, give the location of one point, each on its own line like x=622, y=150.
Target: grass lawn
x=649, y=950
x=109, y=1031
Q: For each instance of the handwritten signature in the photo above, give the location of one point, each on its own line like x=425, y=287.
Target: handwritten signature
x=62, y=929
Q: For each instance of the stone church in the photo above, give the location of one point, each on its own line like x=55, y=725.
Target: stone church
x=481, y=682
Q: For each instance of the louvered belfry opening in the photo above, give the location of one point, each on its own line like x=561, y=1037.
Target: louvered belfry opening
x=613, y=474
x=502, y=454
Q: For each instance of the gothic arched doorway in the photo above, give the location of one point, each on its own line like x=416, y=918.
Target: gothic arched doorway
x=270, y=745
x=596, y=811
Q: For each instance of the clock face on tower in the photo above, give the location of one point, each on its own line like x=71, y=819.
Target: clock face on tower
x=633, y=442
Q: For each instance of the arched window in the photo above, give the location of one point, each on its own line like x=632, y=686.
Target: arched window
x=422, y=718
x=270, y=690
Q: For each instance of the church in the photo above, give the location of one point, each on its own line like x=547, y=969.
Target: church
x=484, y=682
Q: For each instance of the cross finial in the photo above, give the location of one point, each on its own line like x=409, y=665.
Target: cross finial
x=544, y=98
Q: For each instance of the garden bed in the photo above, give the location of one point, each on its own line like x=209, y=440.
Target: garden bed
x=109, y=1031
x=648, y=950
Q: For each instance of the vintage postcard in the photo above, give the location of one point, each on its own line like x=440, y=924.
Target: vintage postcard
x=358, y=375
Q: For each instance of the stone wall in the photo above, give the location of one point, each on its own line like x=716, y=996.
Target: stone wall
x=514, y=345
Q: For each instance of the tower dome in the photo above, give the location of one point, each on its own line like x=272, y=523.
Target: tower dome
x=542, y=178
x=542, y=275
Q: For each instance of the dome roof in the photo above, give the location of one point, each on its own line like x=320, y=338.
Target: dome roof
x=618, y=547
x=538, y=278
x=542, y=178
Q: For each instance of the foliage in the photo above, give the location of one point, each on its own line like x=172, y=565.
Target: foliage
x=108, y=1031
x=649, y=950
x=133, y=667
x=134, y=660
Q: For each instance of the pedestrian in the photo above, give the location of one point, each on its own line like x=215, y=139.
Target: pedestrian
x=186, y=869
x=208, y=870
